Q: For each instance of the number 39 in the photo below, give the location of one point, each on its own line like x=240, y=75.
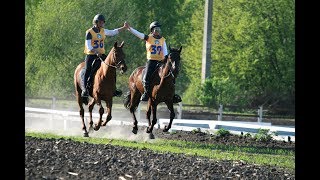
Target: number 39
x=156, y=49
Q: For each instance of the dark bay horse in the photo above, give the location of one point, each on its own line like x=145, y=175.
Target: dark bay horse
x=162, y=90
x=103, y=88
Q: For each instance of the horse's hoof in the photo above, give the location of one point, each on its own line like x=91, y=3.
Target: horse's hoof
x=166, y=129
x=148, y=130
x=151, y=136
x=85, y=134
x=96, y=128
x=135, y=130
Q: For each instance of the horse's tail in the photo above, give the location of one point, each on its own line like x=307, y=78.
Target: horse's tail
x=126, y=101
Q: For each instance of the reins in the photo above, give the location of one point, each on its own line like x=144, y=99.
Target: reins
x=170, y=72
x=116, y=66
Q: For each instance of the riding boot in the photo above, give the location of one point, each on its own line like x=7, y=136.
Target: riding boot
x=145, y=95
x=84, y=93
x=176, y=97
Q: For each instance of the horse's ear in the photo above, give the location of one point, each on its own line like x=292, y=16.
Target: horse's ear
x=115, y=44
x=180, y=48
x=121, y=45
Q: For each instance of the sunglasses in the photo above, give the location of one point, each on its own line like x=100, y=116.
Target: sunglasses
x=157, y=29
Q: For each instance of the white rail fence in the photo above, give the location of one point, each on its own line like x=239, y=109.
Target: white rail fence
x=260, y=111
x=235, y=127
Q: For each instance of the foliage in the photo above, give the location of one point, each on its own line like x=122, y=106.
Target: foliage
x=195, y=131
x=253, y=46
x=222, y=132
x=264, y=135
x=248, y=135
x=215, y=91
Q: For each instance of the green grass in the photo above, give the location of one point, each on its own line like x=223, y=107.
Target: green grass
x=261, y=156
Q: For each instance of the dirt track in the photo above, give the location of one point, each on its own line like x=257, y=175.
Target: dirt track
x=65, y=159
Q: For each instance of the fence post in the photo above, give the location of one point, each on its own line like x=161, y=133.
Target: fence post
x=179, y=111
x=220, y=112
x=260, y=114
x=53, y=106
x=65, y=124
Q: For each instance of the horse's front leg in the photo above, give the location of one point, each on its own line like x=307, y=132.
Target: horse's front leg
x=101, y=111
x=154, y=119
x=172, y=115
x=91, y=105
x=109, y=108
x=148, y=114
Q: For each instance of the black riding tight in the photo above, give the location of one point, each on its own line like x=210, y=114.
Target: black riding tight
x=88, y=65
x=150, y=67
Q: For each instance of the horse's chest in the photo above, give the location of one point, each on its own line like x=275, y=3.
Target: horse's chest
x=104, y=85
x=166, y=90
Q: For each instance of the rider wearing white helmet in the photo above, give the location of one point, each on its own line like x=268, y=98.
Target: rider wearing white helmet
x=156, y=51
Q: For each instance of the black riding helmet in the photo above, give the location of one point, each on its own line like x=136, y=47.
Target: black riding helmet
x=98, y=17
x=154, y=24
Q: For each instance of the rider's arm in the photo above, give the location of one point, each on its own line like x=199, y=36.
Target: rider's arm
x=115, y=31
x=88, y=42
x=111, y=32
x=165, y=50
x=138, y=34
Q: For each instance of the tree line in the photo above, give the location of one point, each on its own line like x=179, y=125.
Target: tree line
x=253, y=47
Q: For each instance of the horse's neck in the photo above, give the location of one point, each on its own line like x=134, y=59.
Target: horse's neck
x=175, y=69
x=108, y=62
x=166, y=70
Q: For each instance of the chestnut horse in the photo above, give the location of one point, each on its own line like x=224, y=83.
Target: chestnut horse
x=103, y=88
x=162, y=90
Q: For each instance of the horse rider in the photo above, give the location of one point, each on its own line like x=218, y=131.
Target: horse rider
x=94, y=48
x=156, y=51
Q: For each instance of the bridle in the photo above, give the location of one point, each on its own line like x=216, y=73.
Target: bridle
x=117, y=66
x=170, y=70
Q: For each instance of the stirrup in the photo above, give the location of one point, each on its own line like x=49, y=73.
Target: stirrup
x=117, y=93
x=144, y=97
x=84, y=94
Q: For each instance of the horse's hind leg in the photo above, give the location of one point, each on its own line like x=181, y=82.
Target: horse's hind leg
x=91, y=105
x=81, y=112
x=172, y=115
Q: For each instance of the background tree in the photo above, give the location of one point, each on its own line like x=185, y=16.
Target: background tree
x=253, y=46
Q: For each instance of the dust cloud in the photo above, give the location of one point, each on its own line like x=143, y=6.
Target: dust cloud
x=120, y=126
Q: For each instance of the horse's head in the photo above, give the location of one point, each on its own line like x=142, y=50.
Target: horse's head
x=118, y=57
x=174, y=55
